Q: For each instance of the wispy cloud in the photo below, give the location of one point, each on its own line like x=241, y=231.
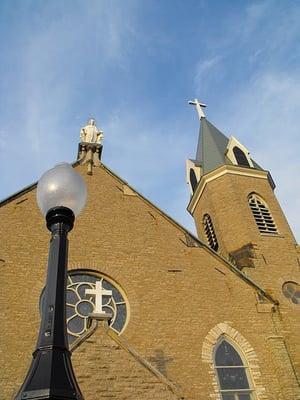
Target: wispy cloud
x=259, y=102
x=133, y=66
x=63, y=62
x=206, y=70
x=266, y=115
x=149, y=155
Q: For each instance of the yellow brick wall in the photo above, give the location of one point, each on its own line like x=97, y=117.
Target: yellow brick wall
x=275, y=256
x=128, y=239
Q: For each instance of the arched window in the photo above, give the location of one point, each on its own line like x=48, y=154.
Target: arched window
x=232, y=373
x=262, y=215
x=240, y=157
x=210, y=232
x=193, y=179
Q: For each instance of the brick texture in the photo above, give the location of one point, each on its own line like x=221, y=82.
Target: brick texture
x=273, y=259
x=178, y=291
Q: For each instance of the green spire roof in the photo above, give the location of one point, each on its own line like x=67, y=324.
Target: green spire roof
x=215, y=149
x=211, y=147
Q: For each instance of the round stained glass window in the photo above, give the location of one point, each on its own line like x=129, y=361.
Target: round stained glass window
x=291, y=291
x=80, y=303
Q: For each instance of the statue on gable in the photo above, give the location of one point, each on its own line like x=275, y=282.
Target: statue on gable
x=90, y=146
x=90, y=133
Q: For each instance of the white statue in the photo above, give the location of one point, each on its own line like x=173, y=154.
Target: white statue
x=90, y=133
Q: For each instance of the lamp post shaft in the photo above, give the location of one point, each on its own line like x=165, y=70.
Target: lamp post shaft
x=51, y=375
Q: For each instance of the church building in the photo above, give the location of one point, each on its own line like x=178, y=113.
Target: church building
x=212, y=317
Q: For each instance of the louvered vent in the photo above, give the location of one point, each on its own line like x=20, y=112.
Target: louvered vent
x=262, y=215
x=210, y=232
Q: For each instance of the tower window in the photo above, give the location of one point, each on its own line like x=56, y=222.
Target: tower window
x=231, y=373
x=262, y=215
x=193, y=179
x=210, y=232
x=240, y=157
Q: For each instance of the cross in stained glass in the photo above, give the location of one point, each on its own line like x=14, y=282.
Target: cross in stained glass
x=99, y=292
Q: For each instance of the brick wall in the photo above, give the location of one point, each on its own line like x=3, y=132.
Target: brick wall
x=176, y=293
x=274, y=258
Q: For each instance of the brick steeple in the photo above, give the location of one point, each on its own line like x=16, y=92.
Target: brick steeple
x=233, y=202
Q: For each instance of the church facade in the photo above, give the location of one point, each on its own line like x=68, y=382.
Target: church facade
x=194, y=318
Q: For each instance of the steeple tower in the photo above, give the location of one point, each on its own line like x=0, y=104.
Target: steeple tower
x=214, y=149
x=232, y=200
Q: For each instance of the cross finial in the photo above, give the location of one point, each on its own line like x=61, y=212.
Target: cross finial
x=199, y=106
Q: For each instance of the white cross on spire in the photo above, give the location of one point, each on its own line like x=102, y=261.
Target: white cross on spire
x=199, y=106
x=98, y=292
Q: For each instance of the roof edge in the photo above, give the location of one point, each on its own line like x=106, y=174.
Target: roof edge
x=13, y=196
x=26, y=189
x=232, y=267
x=170, y=219
x=218, y=172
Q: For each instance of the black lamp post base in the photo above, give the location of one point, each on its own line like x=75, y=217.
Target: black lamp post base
x=50, y=377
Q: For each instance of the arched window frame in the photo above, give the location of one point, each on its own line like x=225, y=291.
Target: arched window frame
x=236, y=393
x=190, y=165
x=210, y=233
x=240, y=157
x=262, y=215
x=232, y=143
x=207, y=357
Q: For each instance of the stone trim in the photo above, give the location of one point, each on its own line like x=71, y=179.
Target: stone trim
x=209, y=343
x=292, y=276
x=121, y=341
x=232, y=143
x=77, y=342
x=217, y=173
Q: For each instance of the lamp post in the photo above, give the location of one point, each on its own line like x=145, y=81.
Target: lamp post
x=61, y=195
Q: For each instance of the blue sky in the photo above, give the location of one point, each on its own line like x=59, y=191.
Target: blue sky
x=133, y=65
